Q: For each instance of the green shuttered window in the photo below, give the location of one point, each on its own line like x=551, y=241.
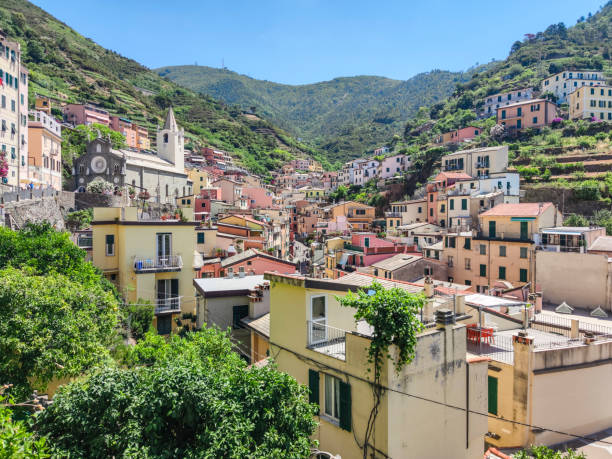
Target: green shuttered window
x=492, y=395
x=345, y=406
x=313, y=385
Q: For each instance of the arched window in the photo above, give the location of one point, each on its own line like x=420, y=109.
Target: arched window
x=165, y=138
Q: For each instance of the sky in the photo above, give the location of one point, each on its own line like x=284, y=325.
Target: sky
x=305, y=41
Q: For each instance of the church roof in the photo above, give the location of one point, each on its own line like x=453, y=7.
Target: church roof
x=170, y=121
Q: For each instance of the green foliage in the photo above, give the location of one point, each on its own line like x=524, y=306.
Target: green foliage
x=544, y=452
x=576, y=220
x=74, y=141
x=193, y=398
x=16, y=439
x=140, y=318
x=588, y=190
x=42, y=250
x=99, y=185
x=51, y=327
x=528, y=172
x=69, y=67
x=394, y=315
x=345, y=117
x=79, y=219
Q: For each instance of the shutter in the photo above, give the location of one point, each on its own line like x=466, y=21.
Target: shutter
x=313, y=385
x=174, y=287
x=492, y=395
x=161, y=289
x=345, y=406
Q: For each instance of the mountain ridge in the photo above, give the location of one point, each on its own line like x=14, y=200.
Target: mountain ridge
x=344, y=116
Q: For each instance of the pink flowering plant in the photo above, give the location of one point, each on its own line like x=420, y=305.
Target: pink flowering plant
x=3, y=165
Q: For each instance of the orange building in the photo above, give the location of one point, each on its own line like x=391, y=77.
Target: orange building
x=534, y=113
x=126, y=128
x=142, y=137
x=45, y=151
x=359, y=215
x=459, y=135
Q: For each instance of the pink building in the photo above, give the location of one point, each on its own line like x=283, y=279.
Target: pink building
x=230, y=189
x=534, y=113
x=339, y=225
x=257, y=198
x=125, y=127
x=85, y=114
x=459, y=135
x=373, y=249
x=392, y=165
x=254, y=262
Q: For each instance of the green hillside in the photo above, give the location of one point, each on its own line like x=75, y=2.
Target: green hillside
x=570, y=160
x=345, y=116
x=72, y=68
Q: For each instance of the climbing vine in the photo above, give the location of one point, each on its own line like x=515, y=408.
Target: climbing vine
x=394, y=316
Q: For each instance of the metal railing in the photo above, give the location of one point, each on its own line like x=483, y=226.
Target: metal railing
x=326, y=340
x=166, y=305
x=498, y=348
x=158, y=263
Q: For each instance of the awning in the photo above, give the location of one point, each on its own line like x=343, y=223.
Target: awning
x=343, y=259
x=522, y=219
x=561, y=231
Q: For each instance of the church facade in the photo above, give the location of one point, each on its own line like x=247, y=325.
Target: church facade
x=162, y=175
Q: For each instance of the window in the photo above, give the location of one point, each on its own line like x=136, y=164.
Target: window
x=483, y=270
x=451, y=204
x=468, y=282
x=592, y=90
x=164, y=325
x=464, y=204
x=535, y=120
x=492, y=228
x=419, y=210
x=492, y=395
x=483, y=249
x=468, y=264
x=13, y=105
x=442, y=208
x=519, y=111
x=467, y=244
x=522, y=275
x=110, y=245
x=431, y=198
x=503, y=114
x=201, y=238
x=431, y=212
x=502, y=250
x=338, y=401
x=523, y=252
x=239, y=312
x=502, y=272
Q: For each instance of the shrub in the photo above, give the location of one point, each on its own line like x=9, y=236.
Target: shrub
x=99, y=185
x=588, y=190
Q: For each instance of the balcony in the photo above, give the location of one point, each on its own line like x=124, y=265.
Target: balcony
x=393, y=214
x=326, y=340
x=168, y=305
x=561, y=248
x=168, y=263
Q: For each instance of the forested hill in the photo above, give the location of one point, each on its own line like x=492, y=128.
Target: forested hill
x=345, y=116
x=72, y=68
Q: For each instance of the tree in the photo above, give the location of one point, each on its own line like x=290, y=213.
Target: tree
x=79, y=219
x=140, y=318
x=51, y=327
x=544, y=452
x=16, y=440
x=189, y=397
x=42, y=250
x=576, y=220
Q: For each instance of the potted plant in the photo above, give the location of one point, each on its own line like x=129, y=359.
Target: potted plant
x=144, y=195
x=131, y=192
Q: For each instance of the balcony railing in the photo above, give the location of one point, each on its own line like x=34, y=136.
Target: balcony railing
x=326, y=340
x=562, y=248
x=158, y=264
x=168, y=305
x=393, y=214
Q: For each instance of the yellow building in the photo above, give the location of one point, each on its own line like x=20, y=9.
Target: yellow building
x=200, y=179
x=359, y=215
x=148, y=259
x=314, y=193
x=320, y=344
x=591, y=102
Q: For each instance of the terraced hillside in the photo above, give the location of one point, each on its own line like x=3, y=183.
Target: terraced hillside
x=69, y=67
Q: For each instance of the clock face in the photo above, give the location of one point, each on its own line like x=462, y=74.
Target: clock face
x=98, y=165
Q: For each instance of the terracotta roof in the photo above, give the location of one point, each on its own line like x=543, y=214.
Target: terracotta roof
x=261, y=325
x=397, y=261
x=456, y=175
x=602, y=243
x=524, y=209
x=526, y=102
x=250, y=253
x=358, y=279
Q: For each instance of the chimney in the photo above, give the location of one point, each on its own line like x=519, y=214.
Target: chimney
x=443, y=317
x=429, y=287
x=459, y=304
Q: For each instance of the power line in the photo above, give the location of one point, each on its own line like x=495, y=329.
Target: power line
x=359, y=378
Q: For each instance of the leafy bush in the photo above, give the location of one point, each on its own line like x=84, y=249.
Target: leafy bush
x=193, y=397
x=140, y=318
x=588, y=190
x=99, y=185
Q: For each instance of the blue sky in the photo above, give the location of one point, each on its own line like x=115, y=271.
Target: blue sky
x=304, y=41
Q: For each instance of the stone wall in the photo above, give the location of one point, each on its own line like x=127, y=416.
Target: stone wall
x=564, y=199
x=17, y=213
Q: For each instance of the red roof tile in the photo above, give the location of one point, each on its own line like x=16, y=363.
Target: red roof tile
x=524, y=209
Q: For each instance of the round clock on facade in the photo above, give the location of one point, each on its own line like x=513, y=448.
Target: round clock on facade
x=98, y=164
